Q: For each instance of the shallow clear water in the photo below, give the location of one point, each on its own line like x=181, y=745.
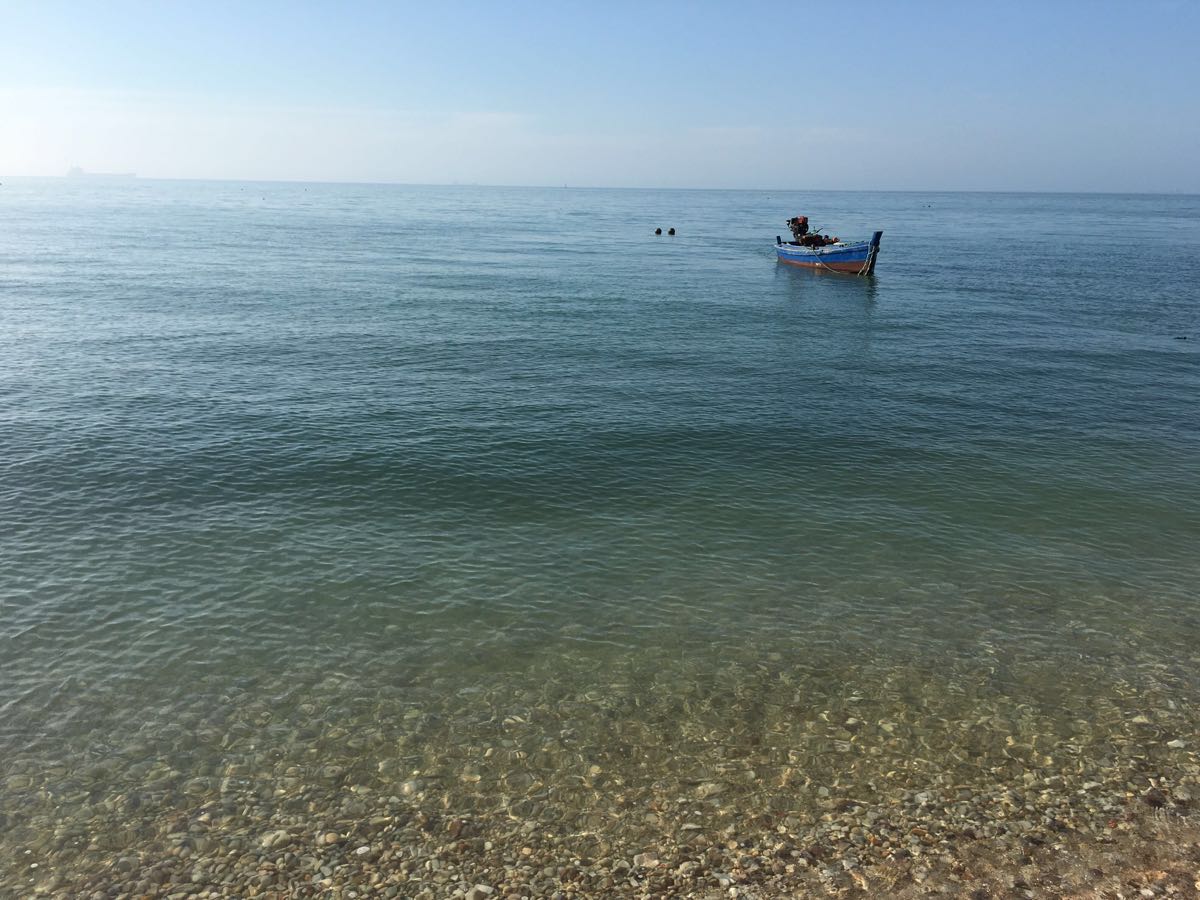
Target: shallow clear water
x=320, y=487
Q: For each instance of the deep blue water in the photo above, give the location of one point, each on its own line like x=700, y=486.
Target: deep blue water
x=373, y=449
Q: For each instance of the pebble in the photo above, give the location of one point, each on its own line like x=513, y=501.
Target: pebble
x=756, y=805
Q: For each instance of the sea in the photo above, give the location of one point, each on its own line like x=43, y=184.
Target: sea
x=489, y=501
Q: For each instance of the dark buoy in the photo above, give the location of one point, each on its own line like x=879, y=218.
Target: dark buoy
x=658, y=231
x=670, y=231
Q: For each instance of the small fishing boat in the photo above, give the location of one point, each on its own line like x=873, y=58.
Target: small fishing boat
x=813, y=250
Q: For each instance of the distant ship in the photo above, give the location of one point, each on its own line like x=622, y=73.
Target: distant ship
x=76, y=172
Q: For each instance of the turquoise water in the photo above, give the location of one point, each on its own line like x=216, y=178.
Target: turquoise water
x=349, y=484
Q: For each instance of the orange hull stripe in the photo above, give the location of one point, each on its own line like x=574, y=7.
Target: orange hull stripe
x=854, y=267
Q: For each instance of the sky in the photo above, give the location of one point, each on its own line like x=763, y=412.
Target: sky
x=1053, y=95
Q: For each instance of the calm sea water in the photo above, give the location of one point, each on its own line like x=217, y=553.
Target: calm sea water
x=354, y=482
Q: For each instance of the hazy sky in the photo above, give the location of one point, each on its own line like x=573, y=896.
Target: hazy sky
x=1091, y=96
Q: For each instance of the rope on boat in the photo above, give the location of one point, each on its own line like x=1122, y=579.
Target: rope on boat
x=863, y=271
x=871, y=251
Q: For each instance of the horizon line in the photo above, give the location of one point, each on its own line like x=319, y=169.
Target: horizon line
x=135, y=177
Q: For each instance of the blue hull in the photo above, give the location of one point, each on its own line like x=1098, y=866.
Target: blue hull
x=856, y=258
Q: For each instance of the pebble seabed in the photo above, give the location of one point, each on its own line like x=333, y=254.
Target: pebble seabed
x=640, y=779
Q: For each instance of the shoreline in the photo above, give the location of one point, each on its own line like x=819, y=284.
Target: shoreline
x=404, y=846
x=658, y=780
